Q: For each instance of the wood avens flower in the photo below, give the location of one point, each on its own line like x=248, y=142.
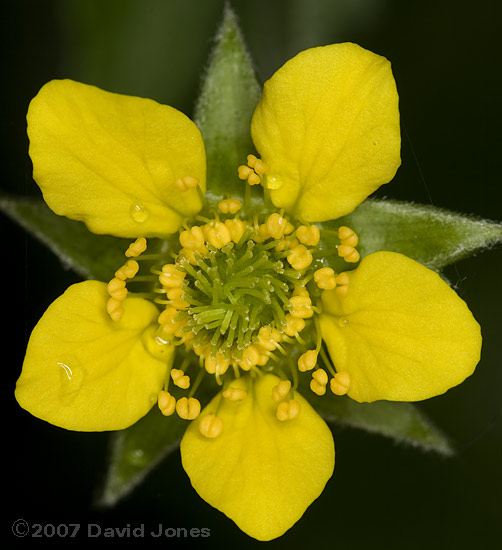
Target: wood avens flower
x=249, y=297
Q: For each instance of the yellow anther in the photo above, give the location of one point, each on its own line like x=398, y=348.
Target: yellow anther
x=168, y=323
x=301, y=291
x=325, y=278
x=307, y=361
x=261, y=234
x=289, y=228
x=180, y=378
x=210, y=426
x=276, y=225
x=286, y=243
x=280, y=391
x=234, y=394
x=236, y=228
x=189, y=255
x=254, y=179
x=319, y=389
x=136, y=248
x=175, y=295
x=268, y=338
x=287, y=410
x=166, y=402
x=260, y=167
x=230, y=206
x=251, y=160
x=353, y=257
x=114, y=309
x=345, y=232
x=320, y=376
x=251, y=357
x=188, y=408
x=171, y=277
x=186, y=182
x=345, y=250
x=308, y=234
x=301, y=307
x=342, y=281
x=117, y=289
x=128, y=270
x=217, y=234
x=294, y=325
x=340, y=384
x=244, y=172
x=299, y=257
x=193, y=239
x=217, y=364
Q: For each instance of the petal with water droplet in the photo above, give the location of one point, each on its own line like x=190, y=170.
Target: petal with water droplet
x=112, y=160
x=85, y=372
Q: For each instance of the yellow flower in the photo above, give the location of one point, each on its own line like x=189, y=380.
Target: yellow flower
x=242, y=285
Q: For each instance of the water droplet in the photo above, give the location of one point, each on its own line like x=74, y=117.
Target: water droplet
x=274, y=182
x=157, y=346
x=139, y=213
x=71, y=376
x=342, y=322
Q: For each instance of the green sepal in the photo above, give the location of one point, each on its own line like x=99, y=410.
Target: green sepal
x=430, y=235
x=403, y=422
x=91, y=256
x=229, y=95
x=135, y=451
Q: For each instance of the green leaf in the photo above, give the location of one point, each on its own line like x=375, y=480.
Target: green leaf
x=430, y=235
x=92, y=256
x=223, y=113
x=402, y=422
x=137, y=450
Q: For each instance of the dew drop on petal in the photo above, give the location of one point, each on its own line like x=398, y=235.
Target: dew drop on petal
x=342, y=322
x=274, y=182
x=139, y=212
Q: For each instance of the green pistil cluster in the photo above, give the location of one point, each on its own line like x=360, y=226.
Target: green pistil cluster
x=234, y=291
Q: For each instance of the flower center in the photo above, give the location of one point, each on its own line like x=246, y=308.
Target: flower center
x=237, y=294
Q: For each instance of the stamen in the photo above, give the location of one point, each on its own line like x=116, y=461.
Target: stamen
x=340, y=384
x=325, y=278
x=171, y=277
x=230, y=206
x=301, y=307
x=342, y=280
x=211, y=426
x=186, y=182
x=136, y=248
x=299, y=257
x=280, y=391
x=234, y=394
x=349, y=240
x=188, y=408
x=128, y=270
x=114, y=309
x=308, y=234
x=287, y=410
x=307, y=361
x=166, y=402
x=117, y=289
x=180, y=379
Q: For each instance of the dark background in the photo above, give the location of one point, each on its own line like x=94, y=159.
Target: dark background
x=446, y=60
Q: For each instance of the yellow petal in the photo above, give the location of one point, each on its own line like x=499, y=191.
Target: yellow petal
x=260, y=472
x=112, y=160
x=328, y=127
x=84, y=372
x=401, y=333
